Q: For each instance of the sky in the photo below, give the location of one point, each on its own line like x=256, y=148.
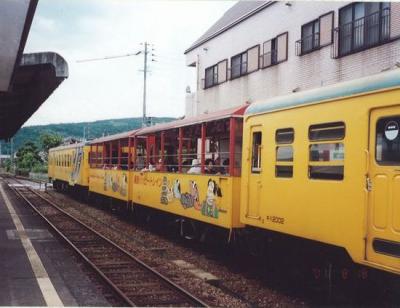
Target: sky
x=108, y=89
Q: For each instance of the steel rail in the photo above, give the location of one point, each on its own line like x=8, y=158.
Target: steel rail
x=172, y=286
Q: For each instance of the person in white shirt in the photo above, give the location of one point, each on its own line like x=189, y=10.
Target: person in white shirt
x=195, y=169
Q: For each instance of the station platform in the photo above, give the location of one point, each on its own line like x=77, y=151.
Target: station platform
x=36, y=268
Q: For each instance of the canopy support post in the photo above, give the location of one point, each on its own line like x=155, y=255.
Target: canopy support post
x=162, y=150
x=180, y=149
x=232, y=136
x=203, y=147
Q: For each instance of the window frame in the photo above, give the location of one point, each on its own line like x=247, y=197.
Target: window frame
x=365, y=45
x=274, y=49
x=256, y=170
x=258, y=59
x=327, y=125
x=281, y=144
x=241, y=73
x=215, y=72
x=313, y=47
x=384, y=163
x=333, y=164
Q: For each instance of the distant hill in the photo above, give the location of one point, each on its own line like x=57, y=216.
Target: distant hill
x=76, y=130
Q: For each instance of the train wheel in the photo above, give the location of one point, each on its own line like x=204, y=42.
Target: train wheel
x=255, y=242
x=189, y=229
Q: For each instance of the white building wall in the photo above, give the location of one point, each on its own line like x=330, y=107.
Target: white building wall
x=298, y=72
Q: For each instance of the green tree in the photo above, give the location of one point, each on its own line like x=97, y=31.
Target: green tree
x=49, y=141
x=28, y=156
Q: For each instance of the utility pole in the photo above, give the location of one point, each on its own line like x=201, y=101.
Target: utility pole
x=145, y=51
x=12, y=155
x=144, y=119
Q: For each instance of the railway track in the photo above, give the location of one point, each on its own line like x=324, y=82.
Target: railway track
x=136, y=283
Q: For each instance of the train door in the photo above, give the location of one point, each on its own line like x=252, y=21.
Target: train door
x=383, y=232
x=254, y=184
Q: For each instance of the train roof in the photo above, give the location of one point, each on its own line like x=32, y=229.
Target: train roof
x=376, y=82
x=123, y=135
x=70, y=146
x=206, y=117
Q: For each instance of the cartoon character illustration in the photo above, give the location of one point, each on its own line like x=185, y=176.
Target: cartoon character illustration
x=164, y=191
x=124, y=184
x=186, y=200
x=170, y=194
x=177, y=189
x=114, y=184
x=108, y=181
x=209, y=206
x=194, y=192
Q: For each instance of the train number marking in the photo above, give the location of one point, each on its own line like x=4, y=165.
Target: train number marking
x=276, y=219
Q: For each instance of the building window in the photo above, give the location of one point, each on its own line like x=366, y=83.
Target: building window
x=362, y=25
x=326, y=159
x=284, y=153
x=211, y=76
x=239, y=65
x=310, y=37
x=315, y=34
x=275, y=50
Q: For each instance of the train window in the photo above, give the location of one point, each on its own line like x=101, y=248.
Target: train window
x=284, y=171
x=284, y=153
x=327, y=131
x=327, y=152
x=388, y=141
x=256, y=153
x=326, y=172
x=285, y=135
x=326, y=161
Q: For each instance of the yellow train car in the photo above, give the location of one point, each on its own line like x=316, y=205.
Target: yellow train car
x=69, y=165
x=207, y=198
x=324, y=165
x=189, y=168
x=109, y=172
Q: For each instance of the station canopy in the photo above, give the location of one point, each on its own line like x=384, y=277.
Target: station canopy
x=26, y=80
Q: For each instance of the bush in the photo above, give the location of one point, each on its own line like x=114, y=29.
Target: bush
x=22, y=172
x=38, y=168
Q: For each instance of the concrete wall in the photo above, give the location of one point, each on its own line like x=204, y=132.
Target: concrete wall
x=298, y=72
x=13, y=21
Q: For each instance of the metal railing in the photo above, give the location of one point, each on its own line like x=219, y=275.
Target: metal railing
x=362, y=33
x=307, y=44
x=169, y=162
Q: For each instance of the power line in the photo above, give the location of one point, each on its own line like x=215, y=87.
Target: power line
x=109, y=57
x=145, y=51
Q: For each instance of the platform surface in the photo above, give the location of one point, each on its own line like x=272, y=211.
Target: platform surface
x=21, y=283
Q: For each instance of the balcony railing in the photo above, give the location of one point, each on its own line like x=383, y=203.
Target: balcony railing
x=307, y=44
x=362, y=33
